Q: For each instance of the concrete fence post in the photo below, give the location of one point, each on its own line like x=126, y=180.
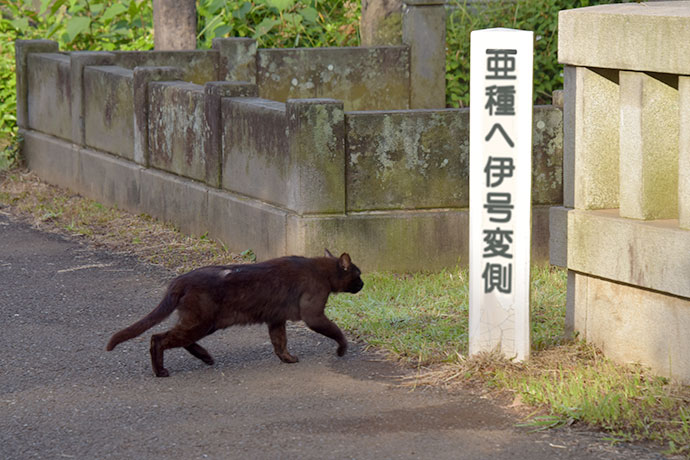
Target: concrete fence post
x=590, y=152
x=142, y=77
x=424, y=31
x=78, y=61
x=22, y=48
x=213, y=92
x=684, y=153
x=648, y=146
x=237, y=59
x=316, y=137
x=174, y=25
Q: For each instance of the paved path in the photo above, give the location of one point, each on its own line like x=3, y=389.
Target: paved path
x=63, y=396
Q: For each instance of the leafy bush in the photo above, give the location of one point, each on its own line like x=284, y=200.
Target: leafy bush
x=540, y=16
x=75, y=25
x=280, y=23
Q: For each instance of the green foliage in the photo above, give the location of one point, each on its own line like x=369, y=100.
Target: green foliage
x=540, y=16
x=280, y=23
x=75, y=25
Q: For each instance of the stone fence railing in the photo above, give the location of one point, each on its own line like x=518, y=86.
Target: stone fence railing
x=280, y=151
x=624, y=232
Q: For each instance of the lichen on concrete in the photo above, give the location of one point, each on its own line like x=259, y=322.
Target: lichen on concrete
x=176, y=128
x=407, y=159
x=363, y=78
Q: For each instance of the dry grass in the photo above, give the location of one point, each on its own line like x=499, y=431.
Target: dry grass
x=575, y=383
x=57, y=210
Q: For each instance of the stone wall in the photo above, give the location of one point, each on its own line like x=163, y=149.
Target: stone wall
x=236, y=143
x=624, y=230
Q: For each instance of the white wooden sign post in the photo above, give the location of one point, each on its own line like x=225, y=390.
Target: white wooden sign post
x=501, y=65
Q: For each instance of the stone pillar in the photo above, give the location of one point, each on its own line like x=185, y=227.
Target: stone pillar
x=684, y=153
x=22, y=48
x=142, y=77
x=381, y=22
x=237, y=59
x=590, y=150
x=213, y=92
x=316, y=137
x=424, y=31
x=648, y=145
x=174, y=25
x=79, y=60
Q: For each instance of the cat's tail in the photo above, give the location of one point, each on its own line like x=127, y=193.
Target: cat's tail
x=162, y=311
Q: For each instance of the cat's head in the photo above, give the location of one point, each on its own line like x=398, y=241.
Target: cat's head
x=347, y=278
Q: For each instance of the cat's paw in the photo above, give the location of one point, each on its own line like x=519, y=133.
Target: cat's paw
x=288, y=358
x=342, y=349
x=162, y=373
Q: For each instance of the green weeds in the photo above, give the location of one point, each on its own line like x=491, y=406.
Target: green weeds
x=540, y=16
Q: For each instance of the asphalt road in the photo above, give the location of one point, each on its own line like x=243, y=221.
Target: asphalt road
x=63, y=396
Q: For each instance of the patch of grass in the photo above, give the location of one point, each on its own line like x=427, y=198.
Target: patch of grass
x=423, y=317
x=575, y=383
x=418, y=317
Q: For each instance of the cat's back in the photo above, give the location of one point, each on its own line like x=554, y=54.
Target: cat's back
x=289, y=270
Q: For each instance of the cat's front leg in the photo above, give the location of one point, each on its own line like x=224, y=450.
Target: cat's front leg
x=323, y=325
x=279, y=340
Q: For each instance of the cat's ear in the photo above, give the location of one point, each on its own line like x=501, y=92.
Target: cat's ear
x=344, y=261
x=327, y=253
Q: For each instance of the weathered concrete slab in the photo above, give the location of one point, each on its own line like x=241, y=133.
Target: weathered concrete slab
x=78, y=61
x=54, y=160
x=213, y=93
x=49, y=101
x=316, y=137
x=142, y=77
x=179, y=201
x=22, y=49
x=590, y=138
x=109, y=110
x=419, y=159
x=652, y=254
x=649, y=36
x=630, y=324
x=256, y=159
x=363, y=78
x=407, y=159
x=400, y=241
x=648, y=146
x=177, y=140
x=237, y=58
x=109, y=180
x=199, y=66
x=242, y=223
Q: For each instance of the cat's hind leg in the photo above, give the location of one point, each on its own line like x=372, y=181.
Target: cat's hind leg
x=279, y=341
x=200, y=352
x=176, y=337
